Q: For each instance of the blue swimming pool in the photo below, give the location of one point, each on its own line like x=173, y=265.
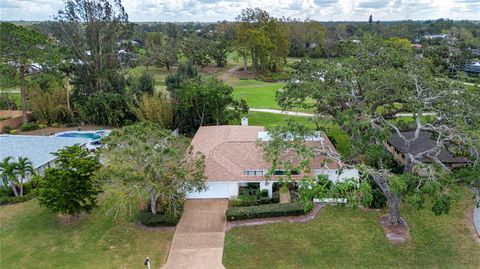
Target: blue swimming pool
x=89, y=135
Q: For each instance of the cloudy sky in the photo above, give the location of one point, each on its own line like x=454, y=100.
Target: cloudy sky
x=214, y=10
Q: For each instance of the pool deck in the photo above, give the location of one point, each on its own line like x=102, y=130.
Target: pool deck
x=51, y=130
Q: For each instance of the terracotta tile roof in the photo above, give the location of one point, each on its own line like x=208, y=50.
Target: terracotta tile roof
x=231, y=149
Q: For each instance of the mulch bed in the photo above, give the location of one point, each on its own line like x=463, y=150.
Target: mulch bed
x=242, y=74
x=396, y=233
x=263, y=221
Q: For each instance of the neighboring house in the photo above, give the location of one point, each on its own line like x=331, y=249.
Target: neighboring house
x=472, y=69
x=438, y=36
x=424, y=142
x=475, y=52
x=233, y=158
x=37, y=149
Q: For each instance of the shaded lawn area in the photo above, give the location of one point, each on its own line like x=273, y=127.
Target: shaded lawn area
x=258, y=94
x=159, y=74
x=31, y=237
x=352, y=238
x=333, y=131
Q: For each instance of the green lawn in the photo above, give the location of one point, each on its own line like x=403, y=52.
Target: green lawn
x=31, y=237
x=348, y=238
x=258, y=94
x=333, y=131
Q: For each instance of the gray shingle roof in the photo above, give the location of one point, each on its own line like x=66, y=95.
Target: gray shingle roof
x=36, y=148
x=422, y=143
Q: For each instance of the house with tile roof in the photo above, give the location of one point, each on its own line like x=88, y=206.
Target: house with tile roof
x=234, y=158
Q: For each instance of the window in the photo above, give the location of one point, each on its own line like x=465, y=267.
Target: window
x=282, y=172
x=264, y=172
x=254, y=172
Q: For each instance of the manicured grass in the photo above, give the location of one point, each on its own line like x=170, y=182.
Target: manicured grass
x=258, y=94
x=352, y=238
x=31, y=237
x=333, y=131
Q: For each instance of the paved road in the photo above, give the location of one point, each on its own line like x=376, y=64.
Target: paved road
x=304, y=114
x=199, y=236
x=275, y=111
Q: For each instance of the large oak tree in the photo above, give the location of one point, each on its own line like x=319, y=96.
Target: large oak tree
x=365, y=92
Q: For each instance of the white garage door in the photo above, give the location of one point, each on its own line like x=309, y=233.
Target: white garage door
x=216, y=190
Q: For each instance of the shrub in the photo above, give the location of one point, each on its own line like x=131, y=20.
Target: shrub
x=7, y=102
x=8, y=200
x=263, y=201
x=379, y=200
x=147, y=218
x=12, y=132
x=264, y=193
x=42, y=125
x=244, y=200
x=158, y=109
x=6, y=191
x=265, y=211
x=28, y=126
x=275, y=197
x=145, y=83
x=7, y=129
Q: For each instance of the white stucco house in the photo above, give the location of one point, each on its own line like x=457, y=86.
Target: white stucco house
x=233, y=159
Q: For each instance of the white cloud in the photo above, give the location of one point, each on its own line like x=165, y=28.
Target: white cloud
x=213, y=10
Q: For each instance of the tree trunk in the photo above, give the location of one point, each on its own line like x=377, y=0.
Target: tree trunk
x=67, y=92
x=23, y=95
x=408, y=168
x=153, y=203
x=245, y=60
x=14, y=188
x=21, y=187
x=393, y=203
x=393, y=199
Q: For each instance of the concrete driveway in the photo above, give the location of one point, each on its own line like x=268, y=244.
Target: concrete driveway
x=199, y=236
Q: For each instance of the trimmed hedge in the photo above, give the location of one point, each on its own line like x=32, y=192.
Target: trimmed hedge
x=265, y=211
x=243, y=200
x=8, y=200
x=149, y=219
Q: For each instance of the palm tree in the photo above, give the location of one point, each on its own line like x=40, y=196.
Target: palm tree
x=22, y=168
x=7, y=173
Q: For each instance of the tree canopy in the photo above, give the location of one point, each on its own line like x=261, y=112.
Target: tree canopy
x=144, y=162
x=23, y=52
x=69, y=187
x=364, y=93
x=263, y=38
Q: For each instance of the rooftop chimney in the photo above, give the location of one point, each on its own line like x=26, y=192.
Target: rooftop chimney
x=244, y=121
